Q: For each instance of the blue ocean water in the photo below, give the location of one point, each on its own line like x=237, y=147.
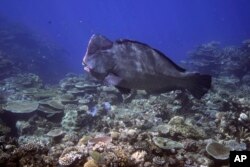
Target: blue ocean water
x=129, y=106
x=174, y=27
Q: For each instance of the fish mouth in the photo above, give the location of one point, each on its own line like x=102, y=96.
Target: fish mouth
x=85, y=67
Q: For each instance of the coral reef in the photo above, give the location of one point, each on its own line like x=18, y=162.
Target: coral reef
x=79, y=122
x=213, y=59
x=218, y=151
x=21, y=106
x=177, y=126
x=90, y=163
x=138, y=156
x=167, y=144
x=70, y=155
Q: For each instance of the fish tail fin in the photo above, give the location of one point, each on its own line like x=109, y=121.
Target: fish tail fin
x=199, y=84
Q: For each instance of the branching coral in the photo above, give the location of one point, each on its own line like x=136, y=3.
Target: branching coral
x=30, y=147
x=122, y=157
x=138, y=156
x=244, y=134
x=159, y=160
x=70, y=155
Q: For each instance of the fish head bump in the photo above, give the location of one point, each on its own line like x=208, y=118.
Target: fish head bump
x=97, y=60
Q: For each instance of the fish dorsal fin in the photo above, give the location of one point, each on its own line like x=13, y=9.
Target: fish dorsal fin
x=122, y=41
x=98, y=42
x=174, y=64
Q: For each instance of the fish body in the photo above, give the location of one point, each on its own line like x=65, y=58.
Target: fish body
x=128, y=64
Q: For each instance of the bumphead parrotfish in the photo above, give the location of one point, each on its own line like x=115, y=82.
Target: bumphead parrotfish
x=128, y=64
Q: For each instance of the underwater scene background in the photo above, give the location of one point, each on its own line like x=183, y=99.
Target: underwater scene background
x=53, y=113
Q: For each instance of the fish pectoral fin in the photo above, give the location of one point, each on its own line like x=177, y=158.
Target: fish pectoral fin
x=112, y=79
x=123, y=90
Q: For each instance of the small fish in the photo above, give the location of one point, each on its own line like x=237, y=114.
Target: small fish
x=106, y=106
x=93, y=111
x=128, y=64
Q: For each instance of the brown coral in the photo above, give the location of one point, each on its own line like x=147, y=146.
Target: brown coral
x=122, y=157
x=90, y=163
